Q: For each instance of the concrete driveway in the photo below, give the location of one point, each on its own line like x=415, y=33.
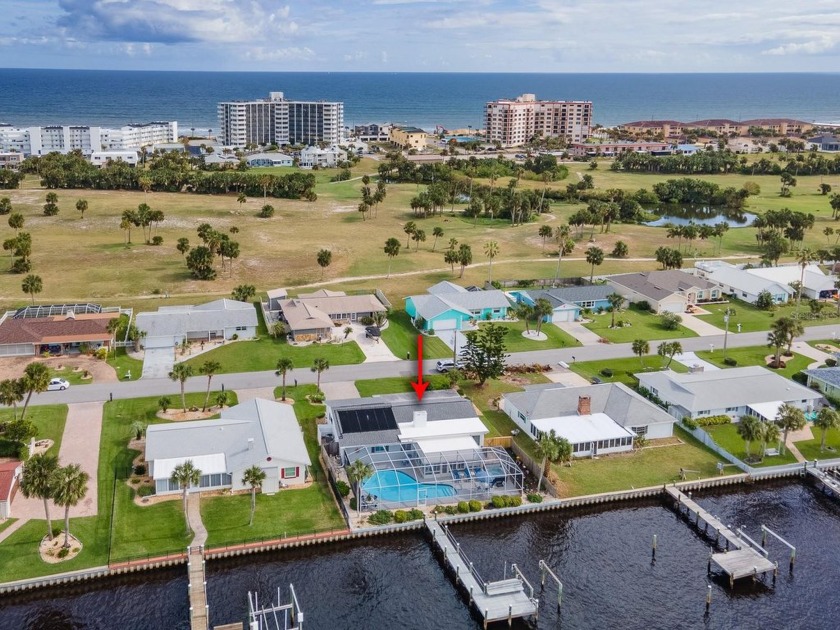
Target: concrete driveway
x=580, y=332
x=158, y=362
x=375, y=349
x=340, y=390
x=701, y=327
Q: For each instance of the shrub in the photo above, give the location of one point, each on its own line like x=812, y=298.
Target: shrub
x=21, y=266
x=317, y=398
x=670, y=321
x=463, y=507
x=475, y=506
x=343, y=487
x=711, y=421
x=380, y=517
x=831, y=362
x=450, y=509
x=64, y=551
x=689, y=423
x=800, y=378
x=534, y=497
x=234, y=337
x=366, y=320
x=352, y=503
x=498, y=501
x=145, y=491
x=157, y=240
x=400, y=516
x=606, y=372
x=164, y=402
x=514, y=501
x=730, y=361
x=266, y=212
x=643, y=306
x=134, y=481
x=415, y=515
x=140, y=469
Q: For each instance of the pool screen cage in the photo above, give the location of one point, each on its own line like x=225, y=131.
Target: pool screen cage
x=404, y=476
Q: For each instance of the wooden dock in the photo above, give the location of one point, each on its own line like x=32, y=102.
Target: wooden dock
x=198, y=589
x=739, y=559
x=495, y=601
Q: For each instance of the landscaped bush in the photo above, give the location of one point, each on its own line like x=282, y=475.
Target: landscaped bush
x=643, y=306
x=343, y=488
x=317, y=398
x=689, y=423
x=670, y=321
x=534, y=497
x=463, y=507
x=475, y=506
x=800, y=378
x=352, y=503
x=380, y=517
x=498, y=502
x=712, y=421
x=101, y=353
x=415, y=515
x=64, y=551
x=145, y=491
x=400, y=516
x=606, y=372
x=157, y=240
x=366, y=320
x=514, y=501
x=831, y=362
x=451, y=509
x=501, y=501
x=140, y=469
x=730, y=361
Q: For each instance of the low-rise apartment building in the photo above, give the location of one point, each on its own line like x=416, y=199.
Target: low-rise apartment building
x=408, y=137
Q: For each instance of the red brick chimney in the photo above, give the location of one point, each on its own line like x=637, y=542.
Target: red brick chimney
x=584, y=406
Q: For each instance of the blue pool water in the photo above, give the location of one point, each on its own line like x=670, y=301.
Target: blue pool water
x=395, y=485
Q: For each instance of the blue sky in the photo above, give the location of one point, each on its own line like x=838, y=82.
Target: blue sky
x=424, y=35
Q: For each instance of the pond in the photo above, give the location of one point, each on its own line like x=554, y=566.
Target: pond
x=699, y=215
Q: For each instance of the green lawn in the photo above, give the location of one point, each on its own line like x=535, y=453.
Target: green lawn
x=557, y=338
x=726, y=436
x=123, y=364
x=753, y=319
x=642, y=325
x=6, y=523
x=810, y=449
x=755, y=355
x=398, y=384
x=641, y=468
x=48, y=419
x=71, y=376
x=289, y=512
x=624, y=369
x=401, y=338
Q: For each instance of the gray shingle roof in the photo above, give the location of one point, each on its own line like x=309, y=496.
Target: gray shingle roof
x=616, y=400
x=732, y=387
x=660, y=284
x=830, y=375
x=570, y=295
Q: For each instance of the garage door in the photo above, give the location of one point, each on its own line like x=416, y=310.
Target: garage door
x=563, y=316
x=679, y=307
x=159, y=342
x=445, y=324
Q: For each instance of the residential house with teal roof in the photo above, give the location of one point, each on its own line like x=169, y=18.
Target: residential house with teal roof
x=448, y=306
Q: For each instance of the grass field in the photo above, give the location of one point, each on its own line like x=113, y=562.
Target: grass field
x=755, y=355
x=124, y=364
x=642, y=325
x=71, y=376
x=516, y=342
x=753, y=319
x=624, y=369
x=726, y=436
x=810, y=449
x=398, y=385
x=118, y=273
x=48, y=419
x=401, y=338
x=638, y=469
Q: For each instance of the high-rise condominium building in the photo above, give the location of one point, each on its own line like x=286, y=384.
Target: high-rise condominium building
x=279, y=121
x=515, y=122
x=87, y=139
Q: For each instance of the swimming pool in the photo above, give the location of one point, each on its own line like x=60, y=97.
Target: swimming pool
x=395, y=485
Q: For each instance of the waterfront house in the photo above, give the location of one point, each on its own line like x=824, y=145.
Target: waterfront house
x=450, y=307
x=217, y=320
x=567, y=302
x=735, y=392
x=825, y=380
x=259, y=432
x=595, y=419
x=666, y=291
x=828, y=143
x=313, y=316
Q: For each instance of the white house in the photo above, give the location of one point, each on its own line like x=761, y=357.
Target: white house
x=751, y=390
x=747, y=283
x=260, y=433
x=596, y=419
x=322, y=158
x=219, y=319
x=269, y=159
x=102, y=158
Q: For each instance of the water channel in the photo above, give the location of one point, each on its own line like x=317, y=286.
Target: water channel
x=602, y=555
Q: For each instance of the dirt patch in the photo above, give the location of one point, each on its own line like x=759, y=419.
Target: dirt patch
x=180, y=415
x=51, y=551
x=101, y=372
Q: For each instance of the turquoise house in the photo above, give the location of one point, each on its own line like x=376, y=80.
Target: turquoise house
x=567, y=303
x=448, y=306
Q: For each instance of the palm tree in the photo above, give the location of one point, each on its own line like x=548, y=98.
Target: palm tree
x=769, y=433
x=324, y=259
x=491, y=250
x=437, y=232
x=790, y=328
x=283, y=367
x=561, y=235
x=594, y=256
x=36, y=378
x=38, y=482
x=565, y=451
x=525, y=312
x=71, y=485
x=750, y=430
x=418, y=236
x=776, y=339
x=616, y=302
x=186, y=475
x=409, y=229
x=640, y=347
x=790, y=418
x=208, y=369
x=319, y=365
x=392, y=250
x=545, y=232
x=357, y=473
x=253, y=477
x=669, y=349
x=806, y=257
x=826, y=420
x=542, y=309
x=11, y=393
x=548, y=447
x=181, y=372
x=32, y=284
x=464, y=257
x=241, y=198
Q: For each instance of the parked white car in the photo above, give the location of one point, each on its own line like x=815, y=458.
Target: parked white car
x=57, y=384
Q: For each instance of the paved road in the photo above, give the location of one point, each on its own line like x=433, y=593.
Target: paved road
x=250, y=380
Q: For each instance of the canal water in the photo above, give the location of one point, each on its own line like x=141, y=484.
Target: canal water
x=603, y=556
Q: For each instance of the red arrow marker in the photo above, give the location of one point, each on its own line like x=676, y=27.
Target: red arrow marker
x=419, y=386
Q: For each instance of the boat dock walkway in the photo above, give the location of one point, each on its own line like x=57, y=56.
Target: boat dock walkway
x=739, y=559
x=198, y=589
x=829, y=480
x=495, y=601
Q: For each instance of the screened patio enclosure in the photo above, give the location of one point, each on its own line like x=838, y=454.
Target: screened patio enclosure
x=432, y=472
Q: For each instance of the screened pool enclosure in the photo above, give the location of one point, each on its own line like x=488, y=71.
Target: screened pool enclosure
x=415, y=474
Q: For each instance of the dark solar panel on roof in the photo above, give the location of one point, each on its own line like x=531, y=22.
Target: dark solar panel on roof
x=363, y=420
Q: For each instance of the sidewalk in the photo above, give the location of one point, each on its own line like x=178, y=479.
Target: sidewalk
x=196, y=524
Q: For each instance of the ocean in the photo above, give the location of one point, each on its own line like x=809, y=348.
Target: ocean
x=115, y=98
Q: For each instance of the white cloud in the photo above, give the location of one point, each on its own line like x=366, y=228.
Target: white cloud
x=261, y=53
x=817, y=46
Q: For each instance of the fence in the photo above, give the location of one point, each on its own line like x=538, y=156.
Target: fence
x=533, y=466
x=504, y=441
x=328, y=470
x=541, y=283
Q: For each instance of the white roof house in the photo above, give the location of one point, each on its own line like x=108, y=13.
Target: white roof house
x=219, y=319
x=746, y=284
x=259, y=433
x=751, y=390
x=596, y=419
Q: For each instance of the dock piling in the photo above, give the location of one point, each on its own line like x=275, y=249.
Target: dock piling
x=654, y=546
x=708, y=597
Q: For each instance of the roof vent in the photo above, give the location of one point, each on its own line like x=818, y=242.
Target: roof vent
x=250, y=444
